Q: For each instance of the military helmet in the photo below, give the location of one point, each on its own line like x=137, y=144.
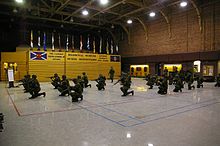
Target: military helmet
x=63, y=76
x=34, y=76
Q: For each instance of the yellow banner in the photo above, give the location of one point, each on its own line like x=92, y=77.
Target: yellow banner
x=73, y=57
x=82, y=57
x=56, y=56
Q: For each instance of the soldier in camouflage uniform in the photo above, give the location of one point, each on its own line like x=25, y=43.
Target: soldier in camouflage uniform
x=1, y=122
x=64, y=86
x=85, y=80
x=80, y=81
x=77, y=91
x=111, y=74
x=55, y=80
x=101, y=82
x=163, y=86
x=178, y=86
x=126, y=86
x=150, y=82
x=217, y=81
x=35, y=88
x=26, y=83
x=199, y=80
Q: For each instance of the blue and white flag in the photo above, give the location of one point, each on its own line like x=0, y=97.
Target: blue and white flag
x=88, y=47
x=112, y=47
x=100, y=45
x=52, y=41
x=38, y=55
x=73, y=43
x=81, y=44
x=38, y=43
x=45, y=47
x=116, y=49
x=59, y=42
x=107, y=47
x=67, y=42
x=32, y=45
x=93, y=43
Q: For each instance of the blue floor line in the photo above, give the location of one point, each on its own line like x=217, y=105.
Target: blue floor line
x=176, y=108
x=164, y=117
x=102, y=116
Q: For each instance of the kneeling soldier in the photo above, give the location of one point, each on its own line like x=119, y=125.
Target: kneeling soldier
x=64, y=86
x=77, y=94
x=35, y=88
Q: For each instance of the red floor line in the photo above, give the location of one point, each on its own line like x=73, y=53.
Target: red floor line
x=47, y=112
x=15, y=107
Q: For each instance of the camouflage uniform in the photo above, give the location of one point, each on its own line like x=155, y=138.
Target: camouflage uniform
x=178, y=86
x=126, y=86
x=217, y=81
x=163, y=86
x=111, y=73
x=101, y=82
x=64, y=86
x=55, y=81
x=85, y=81
x=78, y=90
x=35, y=88
x=150, y=82
x=199, y=82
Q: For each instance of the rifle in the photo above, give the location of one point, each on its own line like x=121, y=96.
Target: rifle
x=117, y=82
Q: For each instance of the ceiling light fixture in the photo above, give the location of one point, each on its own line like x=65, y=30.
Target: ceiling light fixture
x=103, y=2
x=152, y=14
x=129, y=21
x=15, y=10
x=19, y=1
x=183, y=4
x=85, y=12
x=71, y=19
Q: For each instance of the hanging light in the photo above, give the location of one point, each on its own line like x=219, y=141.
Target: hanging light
x=19, y=1
x=129, y=21
x=85, y=12
x=103, y=2
x=183, y=4
x=152, y=14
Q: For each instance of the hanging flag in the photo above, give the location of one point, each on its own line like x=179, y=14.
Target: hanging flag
x=88, y=47
x=73, y=43
x=100, y=48
x=107, y=47
x=44, y=43
x=93, y=43
x=81, y=44
x=112, y=49
x=32, y=45
x=116, y=49
x=67, y=42
x=38, y=55
x=38, y=44
x=52, y=41
x=59, y=42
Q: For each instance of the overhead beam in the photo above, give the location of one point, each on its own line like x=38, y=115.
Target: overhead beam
x=167, y=21
x=76, y=11
x=92, y=7
x=108, y=8
x=144, y=27
x=63, y=5
x=198, y=14
x=45, y=4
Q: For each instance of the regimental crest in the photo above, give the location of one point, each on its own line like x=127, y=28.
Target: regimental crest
x=38, y=55
x=115, y=58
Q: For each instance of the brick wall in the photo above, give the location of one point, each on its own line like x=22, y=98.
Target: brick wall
x=185, y=31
